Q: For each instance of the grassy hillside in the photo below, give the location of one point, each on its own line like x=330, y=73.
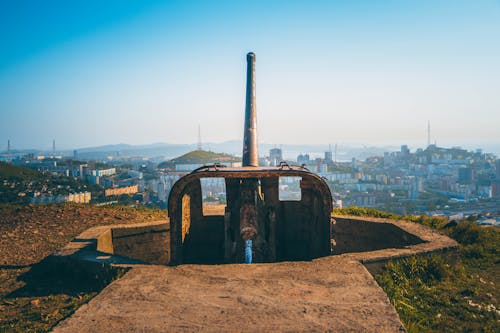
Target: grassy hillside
x=18, y=185
x=14, y=172
x=200, y=157
x=431, y=295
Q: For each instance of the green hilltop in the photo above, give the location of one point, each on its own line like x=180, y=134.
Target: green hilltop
x=200, y=157
x=14, y=172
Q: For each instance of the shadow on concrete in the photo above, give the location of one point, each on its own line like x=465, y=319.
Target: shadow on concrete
x=355, y=235
x=53, y=276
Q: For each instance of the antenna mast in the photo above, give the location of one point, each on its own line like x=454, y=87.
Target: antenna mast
x=428, y=133
x=8, y=150
x=199, y=138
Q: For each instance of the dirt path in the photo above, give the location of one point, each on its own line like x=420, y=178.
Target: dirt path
x=329, y=294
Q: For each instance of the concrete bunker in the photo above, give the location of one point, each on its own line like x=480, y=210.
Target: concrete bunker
x=278, y=226
x=256, y=225
x=362, y=237
x=280, y=230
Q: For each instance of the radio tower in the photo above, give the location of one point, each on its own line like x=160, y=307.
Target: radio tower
x=199, y=138
x=8, y=150
x=54, y=148
x=428, y=133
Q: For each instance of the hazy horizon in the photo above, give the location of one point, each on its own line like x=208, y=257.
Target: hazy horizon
x=318, y=148
x=90, y=73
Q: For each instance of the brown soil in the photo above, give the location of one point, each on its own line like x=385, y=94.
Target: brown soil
x=30, y=233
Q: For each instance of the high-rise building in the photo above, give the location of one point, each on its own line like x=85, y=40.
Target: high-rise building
x=303, y=159
x=495, y=188
x=495, y=184
x=465, y=175
x=405, y=151
x=328, y=156
x=275, y=156
x=497, y=166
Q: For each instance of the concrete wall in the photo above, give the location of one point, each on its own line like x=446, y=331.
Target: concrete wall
x=372, y=241
x=148, y=243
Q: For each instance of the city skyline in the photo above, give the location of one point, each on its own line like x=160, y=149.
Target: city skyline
x=90, y=75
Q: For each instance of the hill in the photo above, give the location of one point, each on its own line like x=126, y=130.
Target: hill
x=19, y=185
x=14, y=172
x=15, y=181
x=200, y=157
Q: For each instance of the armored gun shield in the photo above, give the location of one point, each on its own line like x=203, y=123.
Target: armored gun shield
x=278, y=229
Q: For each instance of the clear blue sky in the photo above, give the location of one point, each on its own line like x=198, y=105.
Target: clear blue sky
x=102, y=72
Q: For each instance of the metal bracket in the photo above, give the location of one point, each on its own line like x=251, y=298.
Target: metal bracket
x=216, y=166
x=284, y=164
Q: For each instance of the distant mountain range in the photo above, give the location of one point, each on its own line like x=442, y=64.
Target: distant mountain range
x=163, y=151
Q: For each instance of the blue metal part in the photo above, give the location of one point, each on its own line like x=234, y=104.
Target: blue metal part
x=248, y=251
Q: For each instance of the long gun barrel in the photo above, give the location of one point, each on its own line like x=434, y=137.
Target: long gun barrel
x=250, y=149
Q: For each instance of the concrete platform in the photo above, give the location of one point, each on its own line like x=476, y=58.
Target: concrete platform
x=335, y=293
x=329, y=294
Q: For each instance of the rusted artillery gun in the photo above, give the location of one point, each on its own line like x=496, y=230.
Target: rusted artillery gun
x=255, y=221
